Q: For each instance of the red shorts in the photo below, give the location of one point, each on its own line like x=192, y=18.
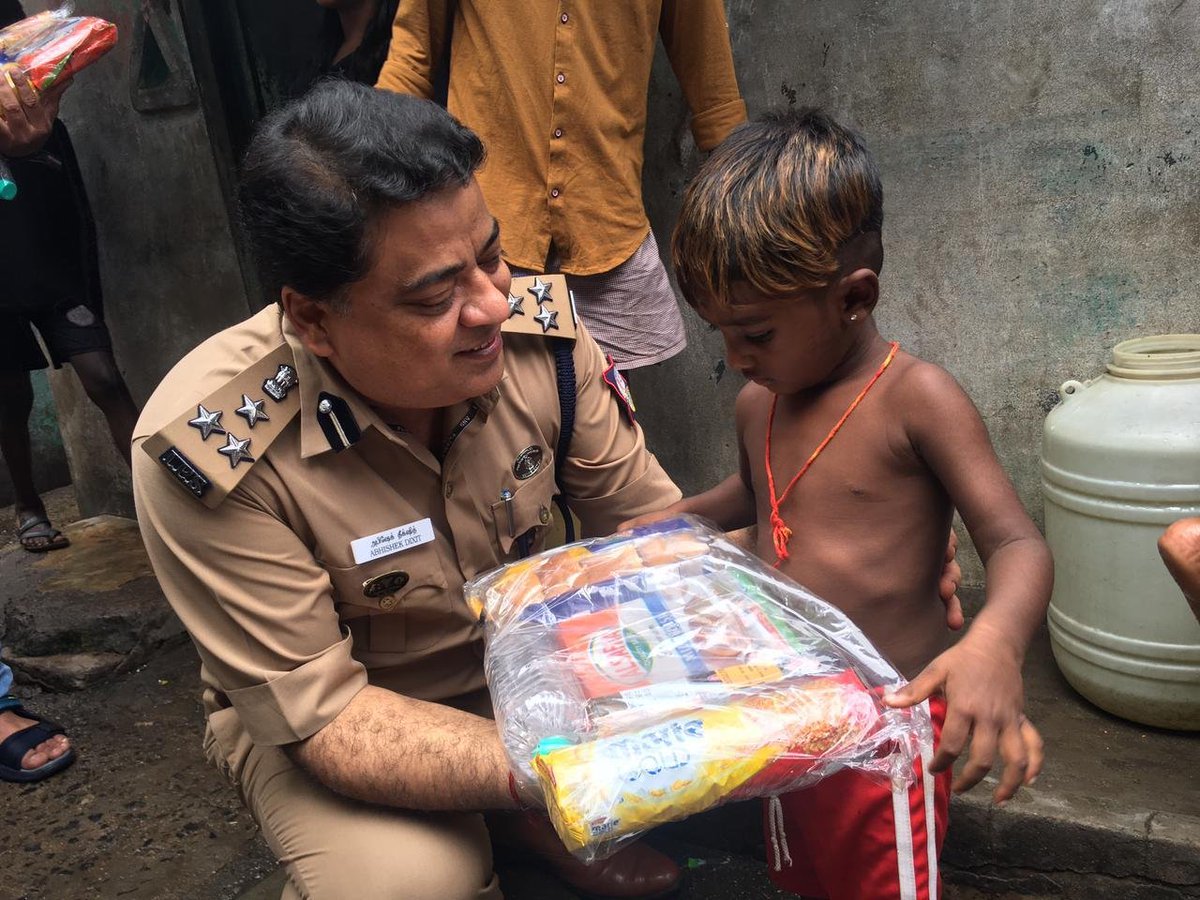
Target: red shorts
x=850, y=839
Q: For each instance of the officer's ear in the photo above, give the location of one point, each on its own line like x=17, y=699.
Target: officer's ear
x=309, y=317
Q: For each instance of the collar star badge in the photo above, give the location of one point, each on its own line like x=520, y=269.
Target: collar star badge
x=515, y=307
x=236, y=450
x=540, y=291
x=547, y=319
x=253, y=410
x=207, y=422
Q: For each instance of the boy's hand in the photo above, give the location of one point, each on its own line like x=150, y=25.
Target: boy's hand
x=984, y=699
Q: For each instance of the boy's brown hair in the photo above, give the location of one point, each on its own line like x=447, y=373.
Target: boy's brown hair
x=773, y=205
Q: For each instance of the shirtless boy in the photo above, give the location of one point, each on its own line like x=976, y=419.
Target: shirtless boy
x=779, y=246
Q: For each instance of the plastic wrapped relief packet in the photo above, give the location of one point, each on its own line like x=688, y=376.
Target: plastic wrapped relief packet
x=644, y=677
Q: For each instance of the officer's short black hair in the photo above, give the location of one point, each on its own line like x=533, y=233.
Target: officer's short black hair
x=320, y=171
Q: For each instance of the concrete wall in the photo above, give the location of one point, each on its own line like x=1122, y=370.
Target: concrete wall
x=168, y=265
x=1039, y=163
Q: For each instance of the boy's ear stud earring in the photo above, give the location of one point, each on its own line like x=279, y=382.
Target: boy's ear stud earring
x=853, y=317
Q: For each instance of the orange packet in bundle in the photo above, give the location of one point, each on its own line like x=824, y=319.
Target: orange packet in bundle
x=825, y=718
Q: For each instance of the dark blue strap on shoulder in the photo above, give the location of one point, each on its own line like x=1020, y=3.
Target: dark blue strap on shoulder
x=564, y=367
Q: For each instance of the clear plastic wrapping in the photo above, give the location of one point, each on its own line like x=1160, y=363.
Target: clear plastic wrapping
x=644, y=677
x=53, y=45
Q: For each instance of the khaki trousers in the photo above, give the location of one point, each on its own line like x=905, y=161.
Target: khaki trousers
x=335, y=847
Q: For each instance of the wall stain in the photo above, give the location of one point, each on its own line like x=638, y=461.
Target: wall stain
x=789, y=92
x=1049, y=400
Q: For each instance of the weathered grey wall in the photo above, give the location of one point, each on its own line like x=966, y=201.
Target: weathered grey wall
x=1039, y=163
x=167, y=261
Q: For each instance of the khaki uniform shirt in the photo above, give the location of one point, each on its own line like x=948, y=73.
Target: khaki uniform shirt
x=259, y=564
x=557, y=91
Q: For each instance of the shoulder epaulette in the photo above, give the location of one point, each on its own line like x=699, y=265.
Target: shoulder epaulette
x=212, y=446
x=541, y=304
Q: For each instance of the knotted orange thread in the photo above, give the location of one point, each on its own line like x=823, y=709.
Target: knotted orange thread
x=780, y=533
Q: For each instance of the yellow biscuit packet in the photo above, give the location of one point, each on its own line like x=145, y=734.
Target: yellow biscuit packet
x=603, y=789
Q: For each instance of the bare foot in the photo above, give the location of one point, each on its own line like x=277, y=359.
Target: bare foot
x=52, y=748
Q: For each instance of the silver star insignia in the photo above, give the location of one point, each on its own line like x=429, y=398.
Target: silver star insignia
x=514, y=305
x=547, y=319
x=236, y=450
x=207, y=422
x=252, y=410
x=540, y=291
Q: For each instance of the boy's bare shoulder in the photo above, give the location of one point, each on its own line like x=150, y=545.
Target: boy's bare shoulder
x=922, y=383
x=751, y=399
x=932, y=404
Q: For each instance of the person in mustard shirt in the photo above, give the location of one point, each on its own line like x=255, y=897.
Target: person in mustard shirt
x=557, y=91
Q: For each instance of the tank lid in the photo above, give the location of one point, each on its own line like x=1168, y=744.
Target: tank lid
x=1157, y=358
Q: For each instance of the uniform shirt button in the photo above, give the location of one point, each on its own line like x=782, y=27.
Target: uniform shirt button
x=389, y=602
x=449, y=491
x=561, y=78
x=324, y=407
x=558, y=132
x=563, y=18
x=555, y=192
x=544, y=515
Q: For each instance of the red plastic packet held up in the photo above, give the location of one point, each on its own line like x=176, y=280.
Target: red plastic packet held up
x=54, y=45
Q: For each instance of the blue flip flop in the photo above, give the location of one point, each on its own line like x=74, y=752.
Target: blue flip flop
x=15, y=746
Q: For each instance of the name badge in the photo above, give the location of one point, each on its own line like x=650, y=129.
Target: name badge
x=385, y=543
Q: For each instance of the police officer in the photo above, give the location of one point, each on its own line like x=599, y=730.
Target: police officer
x=315, y=484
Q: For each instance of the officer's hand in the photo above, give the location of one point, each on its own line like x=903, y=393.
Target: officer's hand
x=648, y=518
x=26, y=116
x=948, y=585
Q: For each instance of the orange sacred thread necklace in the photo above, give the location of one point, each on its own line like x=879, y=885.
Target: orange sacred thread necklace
x=780, y=533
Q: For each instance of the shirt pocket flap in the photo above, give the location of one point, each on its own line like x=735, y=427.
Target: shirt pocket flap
x=383, y=584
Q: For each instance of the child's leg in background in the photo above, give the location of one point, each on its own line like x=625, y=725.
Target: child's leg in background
x=850, y=839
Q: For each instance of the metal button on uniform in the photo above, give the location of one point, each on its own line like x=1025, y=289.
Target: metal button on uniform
x=389, y=602
x=324, y=407
x=449, y=491
x=563, y=18
x=558, y=132
x=555, y=192
x=561, y=79
x=544, y=515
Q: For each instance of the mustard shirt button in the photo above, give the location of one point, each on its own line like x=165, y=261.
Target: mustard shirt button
x=389, y=602
x=544, y=515
x=449, y=490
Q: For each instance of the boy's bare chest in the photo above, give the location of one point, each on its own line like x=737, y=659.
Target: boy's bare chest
x=868, y=459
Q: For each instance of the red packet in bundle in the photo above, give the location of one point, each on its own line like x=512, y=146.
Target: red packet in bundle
x=51, y=46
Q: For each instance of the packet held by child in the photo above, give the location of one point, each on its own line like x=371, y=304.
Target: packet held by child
x=644, y=677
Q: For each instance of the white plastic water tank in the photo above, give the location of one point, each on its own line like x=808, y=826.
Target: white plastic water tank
x=1120, y=462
